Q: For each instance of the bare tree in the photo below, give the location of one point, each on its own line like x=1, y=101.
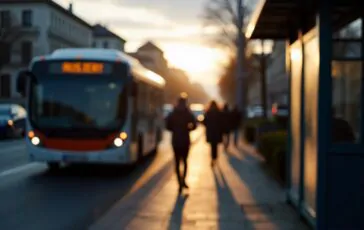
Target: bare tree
x=10, y=33
x=221, y=15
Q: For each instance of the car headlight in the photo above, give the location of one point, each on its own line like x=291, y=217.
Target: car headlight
x=10, y=122
x=200, y=117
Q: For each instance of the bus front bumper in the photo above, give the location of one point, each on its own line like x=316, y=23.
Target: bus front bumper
x=113, y=156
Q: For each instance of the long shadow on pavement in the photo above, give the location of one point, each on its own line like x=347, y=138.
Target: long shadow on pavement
x=176, y=218
x=135, y=199
x=269, y=210
x=228, y=219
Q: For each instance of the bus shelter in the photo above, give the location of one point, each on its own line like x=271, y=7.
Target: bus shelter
x=324, y=60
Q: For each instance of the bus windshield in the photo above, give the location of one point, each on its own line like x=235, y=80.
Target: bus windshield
x=74, y=103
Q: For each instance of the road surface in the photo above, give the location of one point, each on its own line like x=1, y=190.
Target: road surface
x=33, y=198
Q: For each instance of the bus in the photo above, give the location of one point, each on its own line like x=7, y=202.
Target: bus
x=88, y=105
x=198, y=110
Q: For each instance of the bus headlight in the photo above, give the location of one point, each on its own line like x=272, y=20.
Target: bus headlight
x=33, y=138
x=35, y=141
x=118, y=142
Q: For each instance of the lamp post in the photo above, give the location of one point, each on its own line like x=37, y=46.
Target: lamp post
x=240, y=59
x=263, y=68
x=266, y=50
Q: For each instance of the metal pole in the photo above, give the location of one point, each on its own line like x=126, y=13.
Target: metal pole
x=263, y=66
x=240, y=59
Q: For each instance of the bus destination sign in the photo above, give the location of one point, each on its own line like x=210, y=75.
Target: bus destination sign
x=82, y=68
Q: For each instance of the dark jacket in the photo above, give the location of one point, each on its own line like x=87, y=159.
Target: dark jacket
x=227, y=122
x=236, y=118
x=214, y=126
x=181, y=122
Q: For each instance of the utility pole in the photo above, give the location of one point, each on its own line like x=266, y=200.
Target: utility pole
x=240, y=59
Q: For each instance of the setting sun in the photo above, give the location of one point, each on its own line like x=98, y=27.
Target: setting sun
x=194, y=59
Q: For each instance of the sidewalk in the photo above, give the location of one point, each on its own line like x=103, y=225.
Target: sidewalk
x=235, y=195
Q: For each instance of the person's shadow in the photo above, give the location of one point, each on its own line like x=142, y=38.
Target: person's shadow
x=176, y=219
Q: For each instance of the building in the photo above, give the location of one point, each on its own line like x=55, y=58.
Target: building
x=35, y=27
x=277, y=78
x=104, y=38
x=152, y=57
x=253, y=82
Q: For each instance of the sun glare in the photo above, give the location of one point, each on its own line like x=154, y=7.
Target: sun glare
x=193, y=59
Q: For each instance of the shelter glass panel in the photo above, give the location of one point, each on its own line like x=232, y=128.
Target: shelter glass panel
x=346, y=101
x=353, y=30
x=311, y=78
x=348, y=49
x=296, y=86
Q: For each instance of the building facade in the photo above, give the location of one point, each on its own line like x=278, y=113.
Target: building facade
x=35, y=27
x=277, y=78
x=104, y=38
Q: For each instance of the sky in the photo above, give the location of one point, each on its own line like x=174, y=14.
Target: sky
x=174, y=25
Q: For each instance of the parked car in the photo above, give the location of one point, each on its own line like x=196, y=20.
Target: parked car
x=12, y=120
x=280, y=112
x=167, y=108
x=254, y=111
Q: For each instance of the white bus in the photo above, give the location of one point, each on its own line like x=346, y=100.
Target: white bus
x=91, y=106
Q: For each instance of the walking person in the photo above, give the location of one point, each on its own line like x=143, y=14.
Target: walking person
x=181, y=122
x=227, y=125
x=213, y=123
x=236, y=120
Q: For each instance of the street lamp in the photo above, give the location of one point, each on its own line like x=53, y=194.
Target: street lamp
x=265, y=51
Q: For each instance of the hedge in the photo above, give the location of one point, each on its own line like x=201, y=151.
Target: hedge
x=273, y=146
x=254, y=127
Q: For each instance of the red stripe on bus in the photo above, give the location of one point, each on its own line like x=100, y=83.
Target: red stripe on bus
x=76, y=145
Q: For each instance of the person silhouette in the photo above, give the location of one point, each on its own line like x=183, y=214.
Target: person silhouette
x=214, y=128
x=181, y=122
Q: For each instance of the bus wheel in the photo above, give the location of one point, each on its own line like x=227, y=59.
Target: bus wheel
x=53, y=166
x=140, y=147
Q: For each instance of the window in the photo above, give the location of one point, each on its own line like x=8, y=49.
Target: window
x=5, y=54
x=27, y=18
x=5, y=21
x=106, y=44
x=346, y=94
x=93, y=44
x=346, y=91
x=5, y=86
x=26, y=52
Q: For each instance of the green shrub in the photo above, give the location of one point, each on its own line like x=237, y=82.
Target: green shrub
x=256, y=122
x=282, y=121
x=250, y=134
x=272, y=146
x=250, y=127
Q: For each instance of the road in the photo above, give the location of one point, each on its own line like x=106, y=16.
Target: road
x=33, y=198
